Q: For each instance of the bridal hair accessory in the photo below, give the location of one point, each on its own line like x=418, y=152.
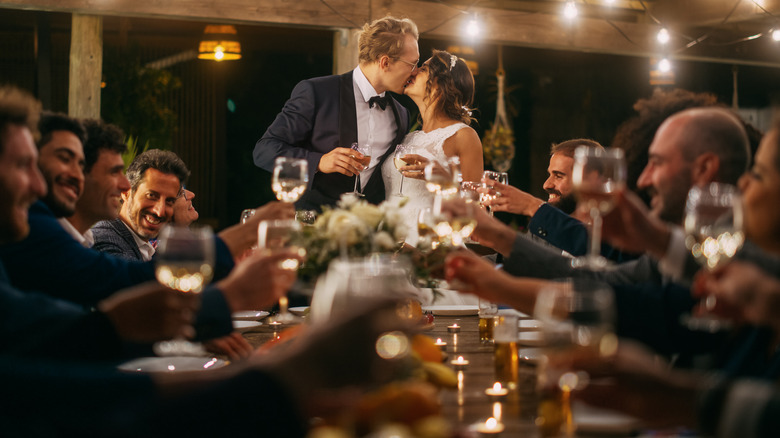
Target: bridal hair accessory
x=466, y=110
x=453, y=61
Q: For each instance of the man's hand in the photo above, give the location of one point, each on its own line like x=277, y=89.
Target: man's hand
x=151, y=312
x=513, y=200
x=258, y=281
x=241, y=237
x=233, y=345
x=342, y=160
x=489, y=232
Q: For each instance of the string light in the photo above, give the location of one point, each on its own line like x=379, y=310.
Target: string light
x=664, y=65
x=776, y=34
x=570, y=10
x=609, y=2
x=472, y=27
x=663, y=36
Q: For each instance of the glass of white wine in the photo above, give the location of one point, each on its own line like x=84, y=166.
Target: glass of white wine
x=443, y=178
x=275, y=235
x=576, y=320
x=184, y=261
x=714, y=234
x=596, y=176
x=290, y=178
x=365, y=150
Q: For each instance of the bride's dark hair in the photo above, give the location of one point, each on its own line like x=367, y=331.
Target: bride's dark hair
x=451, y=85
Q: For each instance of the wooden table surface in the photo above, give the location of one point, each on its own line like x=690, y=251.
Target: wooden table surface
x=468, y=404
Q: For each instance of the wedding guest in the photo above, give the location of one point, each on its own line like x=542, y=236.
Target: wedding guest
x=325, y=115
x=156, y=180
x=104, y=180
x=61, y=160
x=184, y=213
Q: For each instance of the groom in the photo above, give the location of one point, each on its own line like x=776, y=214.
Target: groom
x=325, y=115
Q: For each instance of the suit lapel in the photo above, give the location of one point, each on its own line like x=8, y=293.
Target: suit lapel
x=347, y=111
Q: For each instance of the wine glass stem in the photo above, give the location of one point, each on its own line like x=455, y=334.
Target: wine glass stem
x=283, y=303
x=401, y=189
x=595, y=234
x=357, y=178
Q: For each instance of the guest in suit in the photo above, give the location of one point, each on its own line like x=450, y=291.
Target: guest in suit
x=104, y=180
x=325, y=115
x=156, y=179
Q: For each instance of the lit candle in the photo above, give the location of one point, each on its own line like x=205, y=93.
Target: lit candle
x=439, y=343
x=454, y=328
x=460, y=364
x=497, y=391
x=490, y=427
x=275, y=325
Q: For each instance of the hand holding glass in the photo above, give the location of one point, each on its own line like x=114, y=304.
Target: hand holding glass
x=365, y=150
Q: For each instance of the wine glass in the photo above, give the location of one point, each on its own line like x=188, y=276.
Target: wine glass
x=443, y=178
x=247, y=214
x=596, y=176
x=364, y=149
x=488, y=177
x=714, y=234
x=275, y=235
x=576, y=319
x=184, y=261
x=290, y=178
x=399, y=163
x=427, y=239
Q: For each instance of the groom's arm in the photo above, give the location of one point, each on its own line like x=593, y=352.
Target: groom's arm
x=290, y=133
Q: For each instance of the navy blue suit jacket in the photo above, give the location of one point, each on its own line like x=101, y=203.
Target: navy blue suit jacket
x=319, y=117
x=113, y=237
x=49, y=260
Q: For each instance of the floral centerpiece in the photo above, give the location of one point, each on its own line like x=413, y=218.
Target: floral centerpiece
x=354, y=228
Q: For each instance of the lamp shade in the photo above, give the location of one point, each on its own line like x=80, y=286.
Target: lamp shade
x=220, y=43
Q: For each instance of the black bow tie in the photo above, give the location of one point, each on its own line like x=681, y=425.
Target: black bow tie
x=379, y=101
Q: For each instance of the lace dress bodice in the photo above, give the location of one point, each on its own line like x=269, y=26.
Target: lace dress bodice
x=426, y=144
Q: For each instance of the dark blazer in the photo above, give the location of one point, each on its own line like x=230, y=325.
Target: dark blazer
x=113, y=237
x=320, y=116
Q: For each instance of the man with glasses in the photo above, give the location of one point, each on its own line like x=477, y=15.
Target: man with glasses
x=325, y=116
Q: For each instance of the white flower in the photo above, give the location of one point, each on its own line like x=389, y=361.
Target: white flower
x=369, y=214
x=384, y=241
x=347, y=200
x=345, y=225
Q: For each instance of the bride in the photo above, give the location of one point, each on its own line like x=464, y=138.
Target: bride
x=443, y=89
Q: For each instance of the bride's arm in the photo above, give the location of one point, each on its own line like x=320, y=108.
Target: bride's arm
x=467, y=146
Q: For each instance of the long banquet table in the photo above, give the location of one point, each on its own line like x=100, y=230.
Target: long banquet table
x=468, y=404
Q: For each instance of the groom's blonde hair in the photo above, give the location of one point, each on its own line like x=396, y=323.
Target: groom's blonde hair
x=385, y=36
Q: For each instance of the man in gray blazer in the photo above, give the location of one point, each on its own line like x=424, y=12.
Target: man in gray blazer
x=325, y=115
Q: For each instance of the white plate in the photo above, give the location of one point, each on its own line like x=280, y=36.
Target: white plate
x=250, y=315
x=299, y=311
x=529, y=324
x=246, y=324
x=452, y=310
x=171, y=364
x=590, y=420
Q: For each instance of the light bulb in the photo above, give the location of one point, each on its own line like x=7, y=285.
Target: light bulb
x=570, y=10
x=776, y=34
x=472, y=27
x=663, y=36
x=219, y=53
x=664, y=65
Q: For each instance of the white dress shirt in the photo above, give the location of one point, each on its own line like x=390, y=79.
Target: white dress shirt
x=86, y=240
x=375, y=126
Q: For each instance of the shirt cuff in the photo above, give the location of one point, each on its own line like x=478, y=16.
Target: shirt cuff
x=672, y=264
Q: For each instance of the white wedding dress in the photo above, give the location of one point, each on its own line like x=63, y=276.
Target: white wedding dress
x=426, y=144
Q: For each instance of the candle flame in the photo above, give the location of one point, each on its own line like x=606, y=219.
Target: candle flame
x=497, y=387
x=460, y=359
x=491, y=423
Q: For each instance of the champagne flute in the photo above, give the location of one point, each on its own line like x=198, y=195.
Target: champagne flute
x=576, y=318
x=364, y=149
x=596, y=176
x=184, y=261
x=714, y=234
x=275, y=235
x=399, y=163
x=290, y=178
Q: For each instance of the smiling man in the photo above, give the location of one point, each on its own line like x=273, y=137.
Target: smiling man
x=104, y=180
x=156, y=179
x=61, y=161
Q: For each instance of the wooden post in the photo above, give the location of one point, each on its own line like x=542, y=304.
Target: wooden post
x=86, y=66
x=345, y=50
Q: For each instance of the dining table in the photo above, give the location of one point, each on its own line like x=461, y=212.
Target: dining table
x=468, y=406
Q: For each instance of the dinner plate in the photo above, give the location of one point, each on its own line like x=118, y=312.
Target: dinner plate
x=171, y=364
x=530, y=339
x=299, y=311
x=250, y=315
x=529, y=324
x=443, y=310
x=590, y=420
x=246, y=324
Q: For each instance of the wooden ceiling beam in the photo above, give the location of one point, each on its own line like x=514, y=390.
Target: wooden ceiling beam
x=437, y=20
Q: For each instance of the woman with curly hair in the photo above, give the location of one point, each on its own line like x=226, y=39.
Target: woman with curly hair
x=443, y=89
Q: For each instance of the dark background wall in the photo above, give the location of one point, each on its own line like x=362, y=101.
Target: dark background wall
x=222, y=109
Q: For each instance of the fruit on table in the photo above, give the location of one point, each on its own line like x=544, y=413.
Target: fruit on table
x=426, y=348
x=440, y=374
x=401, y=402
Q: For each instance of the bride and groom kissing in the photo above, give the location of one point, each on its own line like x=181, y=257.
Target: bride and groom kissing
x=325, y=115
